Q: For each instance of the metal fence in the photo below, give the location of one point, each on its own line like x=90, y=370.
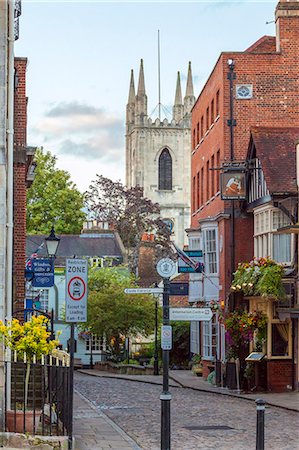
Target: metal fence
x=38, y=401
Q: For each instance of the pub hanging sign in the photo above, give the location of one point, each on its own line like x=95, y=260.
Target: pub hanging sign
x=233, y=182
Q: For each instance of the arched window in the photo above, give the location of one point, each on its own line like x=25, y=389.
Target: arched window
x=165, y=171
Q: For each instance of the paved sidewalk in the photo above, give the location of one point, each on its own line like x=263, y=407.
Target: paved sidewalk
x=186, y=379
x=93, y=430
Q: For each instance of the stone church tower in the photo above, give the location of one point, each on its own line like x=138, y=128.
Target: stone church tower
x=158, y=153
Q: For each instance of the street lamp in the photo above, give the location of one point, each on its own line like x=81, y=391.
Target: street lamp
x=52, y=243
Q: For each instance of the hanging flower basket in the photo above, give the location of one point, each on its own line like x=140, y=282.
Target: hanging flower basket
x=242, y=328
x=259, y=277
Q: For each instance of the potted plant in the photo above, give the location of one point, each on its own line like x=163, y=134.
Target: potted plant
x=197, y=367
x=28, y=342
x=259, y=277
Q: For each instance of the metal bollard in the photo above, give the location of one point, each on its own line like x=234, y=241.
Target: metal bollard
x=260, y=424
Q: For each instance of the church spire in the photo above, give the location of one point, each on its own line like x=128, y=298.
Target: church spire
x=178, y=92
x=189, y=99
x=178, y=108
x=130, y=118
x=141, y=98
x=141, y=85
x=131, y=98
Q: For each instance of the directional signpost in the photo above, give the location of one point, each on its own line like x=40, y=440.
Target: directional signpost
x=196, y=256
x=166, y=267
x=143, y=291
x=192, y=314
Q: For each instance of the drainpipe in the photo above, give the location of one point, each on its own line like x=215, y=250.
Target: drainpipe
x=10, y=149
x=9, y=190
x=232, y=123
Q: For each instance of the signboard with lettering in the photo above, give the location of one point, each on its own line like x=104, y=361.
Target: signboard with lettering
x=196, y=256
x=43, y=273
x=76, y=290
x=192, y=314
x=166, y=337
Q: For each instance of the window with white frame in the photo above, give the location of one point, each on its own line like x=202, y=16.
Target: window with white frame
x=194, y=337
x=194, y=243
x=276, y=246
x=39, y=297
x=210, y=251
x=209, y=338
x=96, y=343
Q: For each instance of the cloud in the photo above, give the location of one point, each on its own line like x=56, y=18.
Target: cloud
x=73, y=128
x=92, y=149
x=64, y=109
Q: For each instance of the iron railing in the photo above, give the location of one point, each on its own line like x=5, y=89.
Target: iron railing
x=46, y=410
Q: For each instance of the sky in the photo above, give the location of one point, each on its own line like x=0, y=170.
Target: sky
x=80, y=54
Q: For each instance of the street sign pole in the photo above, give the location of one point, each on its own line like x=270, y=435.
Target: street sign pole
x=165, y=397
x=71, y=386
x=156, y=356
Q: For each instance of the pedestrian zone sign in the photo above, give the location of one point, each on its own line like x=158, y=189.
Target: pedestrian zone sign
x=76, y=290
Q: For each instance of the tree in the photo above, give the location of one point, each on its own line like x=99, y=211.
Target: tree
x=126, y=209
x=53, y=199
x=114, y=314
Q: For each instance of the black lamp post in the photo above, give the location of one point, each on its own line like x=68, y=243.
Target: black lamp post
x=52, y=243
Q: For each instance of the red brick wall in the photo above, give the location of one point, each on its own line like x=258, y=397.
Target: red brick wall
x=274, y=76
x=20, y=142
x=279, y=375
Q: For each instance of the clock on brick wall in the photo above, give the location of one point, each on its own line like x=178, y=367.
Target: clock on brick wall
x=244, y=91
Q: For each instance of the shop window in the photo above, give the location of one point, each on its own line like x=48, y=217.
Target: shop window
x=39, y=298
x=280, y=339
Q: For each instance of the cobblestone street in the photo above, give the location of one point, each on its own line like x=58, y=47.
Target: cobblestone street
x=135, y=407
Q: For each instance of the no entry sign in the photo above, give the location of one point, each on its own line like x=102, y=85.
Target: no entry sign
x=76, y=290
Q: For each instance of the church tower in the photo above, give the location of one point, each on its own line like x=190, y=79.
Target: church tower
x=158, y=153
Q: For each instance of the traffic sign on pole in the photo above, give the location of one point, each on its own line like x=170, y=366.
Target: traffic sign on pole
x=76, y=290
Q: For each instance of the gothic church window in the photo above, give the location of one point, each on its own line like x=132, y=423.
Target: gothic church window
x=165, y=171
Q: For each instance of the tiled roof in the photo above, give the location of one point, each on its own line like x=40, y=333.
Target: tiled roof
x=276, y=150
x=84, y=245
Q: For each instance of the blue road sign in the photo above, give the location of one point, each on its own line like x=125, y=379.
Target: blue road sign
x=197, y=256
x=43, y=280
x=42, y=265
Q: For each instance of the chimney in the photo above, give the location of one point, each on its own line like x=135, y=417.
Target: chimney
x=287, y=26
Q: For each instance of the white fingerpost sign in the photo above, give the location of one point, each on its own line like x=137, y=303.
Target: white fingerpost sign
x=166, y=337
x=76, y=290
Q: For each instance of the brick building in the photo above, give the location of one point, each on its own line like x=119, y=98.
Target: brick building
x=263, y=92
x=23, y=176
